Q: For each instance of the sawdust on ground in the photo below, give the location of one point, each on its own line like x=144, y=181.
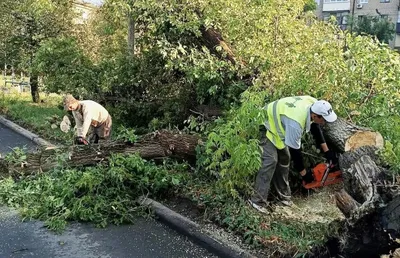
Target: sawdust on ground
x=318, y=207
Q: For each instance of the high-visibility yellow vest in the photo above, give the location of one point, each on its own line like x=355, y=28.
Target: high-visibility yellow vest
x=295, y=108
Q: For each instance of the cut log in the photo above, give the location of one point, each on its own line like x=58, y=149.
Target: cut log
x=155, y=145
x=345, y=136
x=347, y=159
x=346, y=204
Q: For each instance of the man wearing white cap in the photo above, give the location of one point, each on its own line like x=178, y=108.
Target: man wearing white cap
x=280, y=141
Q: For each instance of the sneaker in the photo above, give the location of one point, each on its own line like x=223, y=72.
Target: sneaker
x=287, y=203
x=258, y=207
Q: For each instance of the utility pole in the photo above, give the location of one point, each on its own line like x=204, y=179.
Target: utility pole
x=352, y=15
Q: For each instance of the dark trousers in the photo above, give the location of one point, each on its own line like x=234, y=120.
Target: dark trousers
x=102, y=131
x=274, y=169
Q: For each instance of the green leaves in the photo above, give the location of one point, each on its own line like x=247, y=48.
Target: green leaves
x=102, y=194
x=299, y=56
x=18, y=156
x=64, y=67
x=376, y=26
x=126, y=134
x=27, y=23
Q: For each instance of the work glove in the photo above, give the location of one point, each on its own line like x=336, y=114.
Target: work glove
x=308, y=177
x=81, y=141
x=331, y=157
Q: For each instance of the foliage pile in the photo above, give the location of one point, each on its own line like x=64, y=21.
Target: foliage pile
x=107, y=194
x=101, y=194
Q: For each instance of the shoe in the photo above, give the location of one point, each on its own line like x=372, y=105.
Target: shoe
x=287, y=203
x=258, y=207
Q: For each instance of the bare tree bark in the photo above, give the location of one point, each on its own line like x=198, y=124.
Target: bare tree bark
x=213, y=39
x=159, y=144
x=346, y=204
x=35, y=88
x=345, y=136
x=131, y=35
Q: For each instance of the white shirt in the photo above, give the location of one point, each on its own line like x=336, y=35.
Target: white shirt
x=89, y=113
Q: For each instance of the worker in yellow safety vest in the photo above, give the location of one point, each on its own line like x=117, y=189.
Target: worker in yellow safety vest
x=287, y=119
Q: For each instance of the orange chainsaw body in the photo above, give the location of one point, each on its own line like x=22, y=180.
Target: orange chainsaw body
x=322, y=170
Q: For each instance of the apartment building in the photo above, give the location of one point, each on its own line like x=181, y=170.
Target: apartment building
x=83, y=9
x=342, y=9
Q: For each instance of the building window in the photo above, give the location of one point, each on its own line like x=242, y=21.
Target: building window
x=341, y=18
x=385, y=1
x=363, y=1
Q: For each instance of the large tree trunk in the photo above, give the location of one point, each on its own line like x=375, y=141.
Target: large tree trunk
x=155, y=145
x=345, y=136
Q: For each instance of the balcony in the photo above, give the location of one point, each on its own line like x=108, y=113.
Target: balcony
x=336, y=5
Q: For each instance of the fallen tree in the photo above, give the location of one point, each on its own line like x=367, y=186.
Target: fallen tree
x=370, y=199
x=159, y=144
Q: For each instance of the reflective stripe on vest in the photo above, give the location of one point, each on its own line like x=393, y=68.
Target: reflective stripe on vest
x=295, y=108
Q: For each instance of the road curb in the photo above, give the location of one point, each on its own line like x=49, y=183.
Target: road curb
x=31, y=136
x=194, y=231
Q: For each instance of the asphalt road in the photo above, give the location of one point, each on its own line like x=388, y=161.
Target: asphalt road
x=145, y=238
x=10, y=139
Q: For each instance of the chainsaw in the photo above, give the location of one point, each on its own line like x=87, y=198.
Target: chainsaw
x=324, y=174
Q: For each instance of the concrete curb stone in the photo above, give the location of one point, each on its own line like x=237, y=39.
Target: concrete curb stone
x=31, y=136
x=194, y=231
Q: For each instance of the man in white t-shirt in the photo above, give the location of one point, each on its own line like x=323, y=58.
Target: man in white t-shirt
x=88, y=113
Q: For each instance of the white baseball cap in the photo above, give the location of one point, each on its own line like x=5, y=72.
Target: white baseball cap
x=324, y=109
